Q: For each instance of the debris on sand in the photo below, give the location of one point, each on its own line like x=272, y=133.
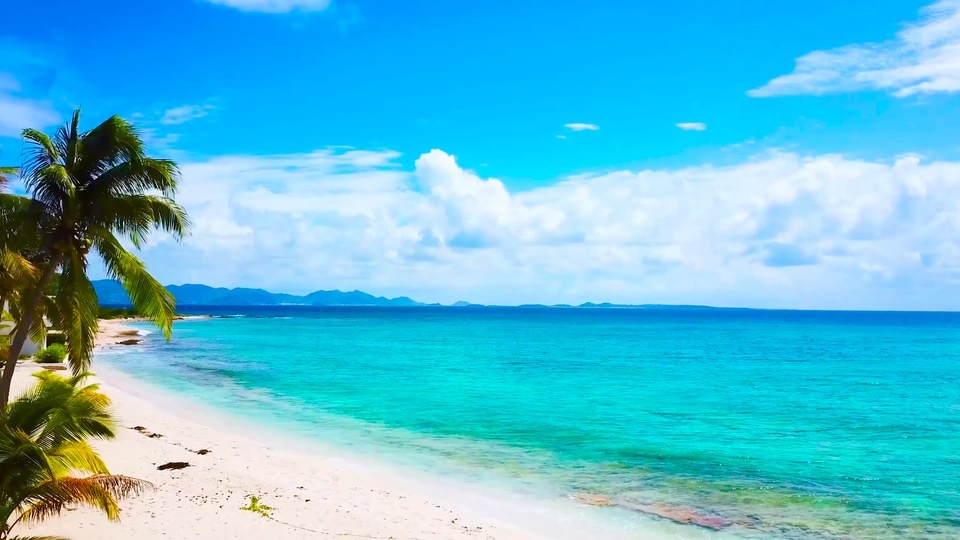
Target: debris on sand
x=173, y=466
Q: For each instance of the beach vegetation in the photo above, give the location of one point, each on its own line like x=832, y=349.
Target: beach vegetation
x=254, y=505
x=104, y=312
x=46, y=462
x=54, y=354
x=86, y=191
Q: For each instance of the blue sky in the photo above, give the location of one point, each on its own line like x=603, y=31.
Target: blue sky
x=776, y=154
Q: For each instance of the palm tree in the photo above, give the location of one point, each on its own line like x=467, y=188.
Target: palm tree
x=19, y=256
x=16, y=270
x=88, y=188
x=43, y=443
x=6, y=279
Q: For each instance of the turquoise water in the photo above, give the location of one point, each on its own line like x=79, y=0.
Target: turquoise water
x=808, y=425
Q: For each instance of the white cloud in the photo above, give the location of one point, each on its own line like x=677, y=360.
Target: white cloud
x=778, y=230
x=185, y=113
x=923, y=58
x=275, y=6
x=576, y=126
x=692, y=126
x=561, y=136
x=17, y=113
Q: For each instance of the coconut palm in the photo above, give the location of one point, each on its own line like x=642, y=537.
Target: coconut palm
x=16, y=270
x=43, y=444
x=86, y=190
x=5, y=173
x=18, y=245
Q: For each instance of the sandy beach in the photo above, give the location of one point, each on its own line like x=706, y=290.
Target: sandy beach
x=312, y=496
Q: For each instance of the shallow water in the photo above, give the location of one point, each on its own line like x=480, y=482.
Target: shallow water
x=819, y=425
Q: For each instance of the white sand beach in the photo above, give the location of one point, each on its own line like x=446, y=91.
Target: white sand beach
x=314, y=496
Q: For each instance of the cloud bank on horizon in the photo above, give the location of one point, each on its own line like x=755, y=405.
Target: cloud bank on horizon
x=779, y=229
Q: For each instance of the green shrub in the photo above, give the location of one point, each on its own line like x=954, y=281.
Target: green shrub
x=53, y=354
x=56, y=338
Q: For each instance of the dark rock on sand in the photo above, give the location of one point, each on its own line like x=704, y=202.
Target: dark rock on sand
x=173, y=466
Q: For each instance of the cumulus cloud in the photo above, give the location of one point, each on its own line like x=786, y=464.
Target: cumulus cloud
x=577, y=126
x=779, y=230
x=923, y=58
x=185, y=113
x=17, y=113
x=692, y=126
x=275, y=6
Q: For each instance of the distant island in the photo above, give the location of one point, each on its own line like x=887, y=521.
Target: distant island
x=110, y=293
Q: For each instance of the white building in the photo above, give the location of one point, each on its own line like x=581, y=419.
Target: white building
x=31, y=347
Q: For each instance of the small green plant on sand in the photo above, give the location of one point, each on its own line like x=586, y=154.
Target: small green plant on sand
x=256, y=506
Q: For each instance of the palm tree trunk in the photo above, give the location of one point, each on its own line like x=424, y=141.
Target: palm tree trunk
x=23, y=329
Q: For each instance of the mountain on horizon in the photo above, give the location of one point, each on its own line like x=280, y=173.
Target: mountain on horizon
x=111, y=293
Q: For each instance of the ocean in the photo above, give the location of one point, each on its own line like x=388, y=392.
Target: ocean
x=763, y=424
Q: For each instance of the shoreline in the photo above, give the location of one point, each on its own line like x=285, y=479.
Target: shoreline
x=316, y=491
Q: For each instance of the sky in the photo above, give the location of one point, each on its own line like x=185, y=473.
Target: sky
x=791, y=154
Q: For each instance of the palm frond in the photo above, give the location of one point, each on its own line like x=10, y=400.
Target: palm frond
x=40, y=152
x=76, y=311
x=112, y=142
x=134, y=216
x=100, y=492
x=77, y=456
x=52, y=184
x=57, y=412
x=151, y=299
x=19, y=453
x=73, y=140
x=17, y=266
x=21, y=229
x=138, y=176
